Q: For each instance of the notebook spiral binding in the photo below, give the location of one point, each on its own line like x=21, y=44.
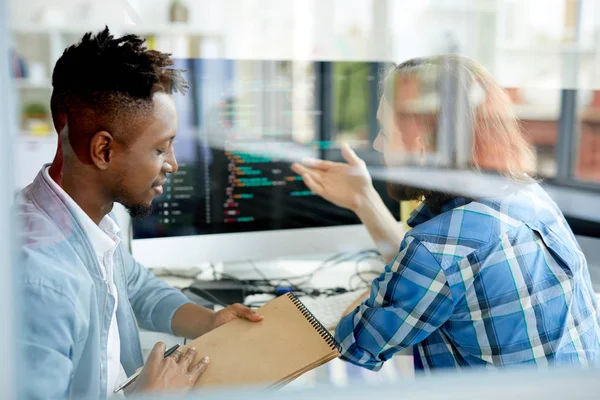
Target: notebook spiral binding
x=328, y=337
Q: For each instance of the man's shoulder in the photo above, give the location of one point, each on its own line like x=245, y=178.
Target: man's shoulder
x=46, y=258
x=43, y=222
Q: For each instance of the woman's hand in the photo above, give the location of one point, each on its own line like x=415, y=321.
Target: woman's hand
x=344, y=184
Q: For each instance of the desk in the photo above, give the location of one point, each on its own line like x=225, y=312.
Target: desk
x=336, y=372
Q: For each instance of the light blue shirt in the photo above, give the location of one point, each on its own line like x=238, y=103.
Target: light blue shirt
x=65, y=302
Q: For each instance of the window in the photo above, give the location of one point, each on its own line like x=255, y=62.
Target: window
x=587, y=160
x=351, y=101
x=586, y=141
x=529, y=65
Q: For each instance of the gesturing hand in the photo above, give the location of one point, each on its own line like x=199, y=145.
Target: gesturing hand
x=343, y=184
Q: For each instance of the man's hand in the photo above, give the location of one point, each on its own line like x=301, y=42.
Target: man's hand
x=233, y=312
x=344, y=184
x=177, y=372
x=191, y=320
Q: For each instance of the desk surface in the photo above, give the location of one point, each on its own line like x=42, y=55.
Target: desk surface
x=336, y=372
x=294, y=269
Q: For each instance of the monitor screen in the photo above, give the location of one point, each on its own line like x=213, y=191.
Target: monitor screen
x=241, y=124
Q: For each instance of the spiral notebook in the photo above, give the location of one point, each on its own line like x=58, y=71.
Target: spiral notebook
x=271, y=353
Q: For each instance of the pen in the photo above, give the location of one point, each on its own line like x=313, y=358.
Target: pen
x=133, y=377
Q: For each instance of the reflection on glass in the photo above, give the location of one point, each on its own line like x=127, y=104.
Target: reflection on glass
x=587, y=160
x=351, y=85
x=538, y=112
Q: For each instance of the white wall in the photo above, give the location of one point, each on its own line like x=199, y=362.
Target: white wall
x=365, y=29
x=283, y=29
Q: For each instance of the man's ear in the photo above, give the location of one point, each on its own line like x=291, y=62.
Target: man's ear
x=102, y=148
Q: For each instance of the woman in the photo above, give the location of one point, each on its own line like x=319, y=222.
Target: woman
x=478, y=281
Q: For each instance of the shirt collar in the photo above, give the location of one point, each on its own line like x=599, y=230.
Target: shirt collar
x=424, y=213
x=103, y=237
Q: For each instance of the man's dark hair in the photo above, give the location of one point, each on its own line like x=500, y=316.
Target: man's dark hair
x=111, y=76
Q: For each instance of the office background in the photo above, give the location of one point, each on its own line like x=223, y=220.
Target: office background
x=545, y=53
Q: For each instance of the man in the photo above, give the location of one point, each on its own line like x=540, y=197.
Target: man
x=492, y=282
x=82, y=291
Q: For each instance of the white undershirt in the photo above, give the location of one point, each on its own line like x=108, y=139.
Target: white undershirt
x=105, y=240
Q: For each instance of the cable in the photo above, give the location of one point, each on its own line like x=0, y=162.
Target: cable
x=359, y=274
x=278, y=288
x=332, y=262
x=255, y=268
x=214, y=271
x=275, y=286
x=337, y=259
x=244, y=282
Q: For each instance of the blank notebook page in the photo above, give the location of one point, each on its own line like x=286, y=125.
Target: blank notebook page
x=287, y=343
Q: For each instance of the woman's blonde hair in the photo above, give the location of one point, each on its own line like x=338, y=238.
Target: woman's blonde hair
x=497, y=138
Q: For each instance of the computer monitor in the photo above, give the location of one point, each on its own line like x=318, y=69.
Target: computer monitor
x=234, y=198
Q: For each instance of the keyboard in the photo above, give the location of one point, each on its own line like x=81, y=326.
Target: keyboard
x=329, y=310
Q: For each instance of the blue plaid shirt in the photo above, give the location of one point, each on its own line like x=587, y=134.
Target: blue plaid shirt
x=482, y=283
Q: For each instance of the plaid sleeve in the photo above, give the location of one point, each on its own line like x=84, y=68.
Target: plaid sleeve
x=409, y=301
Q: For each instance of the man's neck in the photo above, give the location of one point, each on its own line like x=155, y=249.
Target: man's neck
x=86, y=194
x=56, y=167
